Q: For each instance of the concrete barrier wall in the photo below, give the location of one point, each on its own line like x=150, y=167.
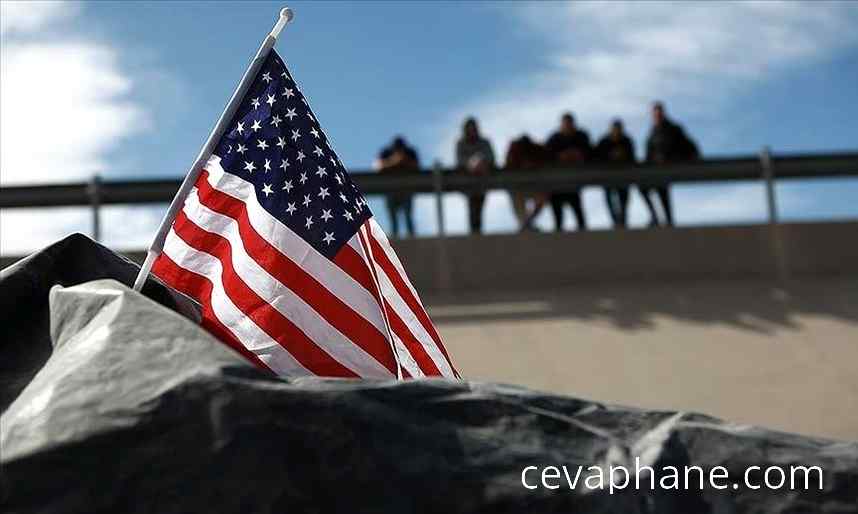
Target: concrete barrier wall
x=545, y=260
x=536, y=260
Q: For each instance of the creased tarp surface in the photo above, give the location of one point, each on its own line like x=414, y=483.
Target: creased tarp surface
x=134, y=408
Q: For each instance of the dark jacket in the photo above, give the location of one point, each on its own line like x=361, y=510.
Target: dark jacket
x=526, y=154
x=667, y=142
x=560, y=142
x=620, y=151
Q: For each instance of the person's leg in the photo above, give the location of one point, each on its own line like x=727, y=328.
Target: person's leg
x=409, y=216
x=519, y=208
x=578, y=209
x=392, y=207
x=557, y=200
x=664, y=194
x=610, y=202
x=538, y=201
x=653, y=216
x=623, y=205
x=475, y=212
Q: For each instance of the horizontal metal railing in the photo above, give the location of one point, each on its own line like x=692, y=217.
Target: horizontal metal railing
x=711, y=170
x=765, y=167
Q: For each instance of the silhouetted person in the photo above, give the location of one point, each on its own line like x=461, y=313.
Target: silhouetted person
x=667, y=143
x=474, y=156
x=616, y=148
x=567, y=147
x=399, y=158
x=522, y=156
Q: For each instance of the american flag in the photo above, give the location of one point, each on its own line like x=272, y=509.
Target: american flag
x=281, y=250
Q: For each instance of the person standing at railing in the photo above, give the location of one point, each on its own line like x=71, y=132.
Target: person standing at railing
x=568, y=146
x=616, y=148
x=667, y=143
x=525, y=155
x=399, y=157
x=474, y=156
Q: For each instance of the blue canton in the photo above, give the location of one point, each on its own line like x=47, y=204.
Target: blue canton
x=275, y=142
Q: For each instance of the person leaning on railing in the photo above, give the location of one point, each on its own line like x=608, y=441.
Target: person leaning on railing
x=399, y=157
x=616, y=148
x=474, y=156
x=667, y=143
x=522, y=156
x=568, y=147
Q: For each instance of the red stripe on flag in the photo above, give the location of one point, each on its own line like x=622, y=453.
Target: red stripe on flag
x=266, y=317
x=417, y=350
x=404, y=291
x=351, y=324
x=352, y=263
x=200, y=288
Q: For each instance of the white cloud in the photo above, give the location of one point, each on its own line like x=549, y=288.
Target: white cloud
x=64, y=104
x=29, y=16
x=613, y=58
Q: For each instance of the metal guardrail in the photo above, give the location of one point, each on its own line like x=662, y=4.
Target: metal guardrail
x=765, y=166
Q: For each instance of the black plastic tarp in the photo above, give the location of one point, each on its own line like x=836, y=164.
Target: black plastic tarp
x=113, y=402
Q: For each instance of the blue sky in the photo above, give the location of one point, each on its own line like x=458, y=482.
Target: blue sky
x=132, y=89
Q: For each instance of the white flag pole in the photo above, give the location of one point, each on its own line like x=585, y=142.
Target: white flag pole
x=286, y=15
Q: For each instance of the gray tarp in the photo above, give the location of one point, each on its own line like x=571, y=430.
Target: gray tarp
x=119, y=404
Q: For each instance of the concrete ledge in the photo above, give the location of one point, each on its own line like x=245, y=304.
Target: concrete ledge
x=537, y=260
x=548, y=260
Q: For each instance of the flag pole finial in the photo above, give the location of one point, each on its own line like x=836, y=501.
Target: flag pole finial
x=286, y=15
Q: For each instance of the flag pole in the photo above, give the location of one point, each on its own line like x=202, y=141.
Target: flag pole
x=286, y=15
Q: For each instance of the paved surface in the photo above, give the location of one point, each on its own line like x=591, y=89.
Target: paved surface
x=749, y=352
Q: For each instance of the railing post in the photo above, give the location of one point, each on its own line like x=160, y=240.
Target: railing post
x=93, y=190
x=776, y=236
x=769, y=177
x=437, y=184
x=443, y=278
